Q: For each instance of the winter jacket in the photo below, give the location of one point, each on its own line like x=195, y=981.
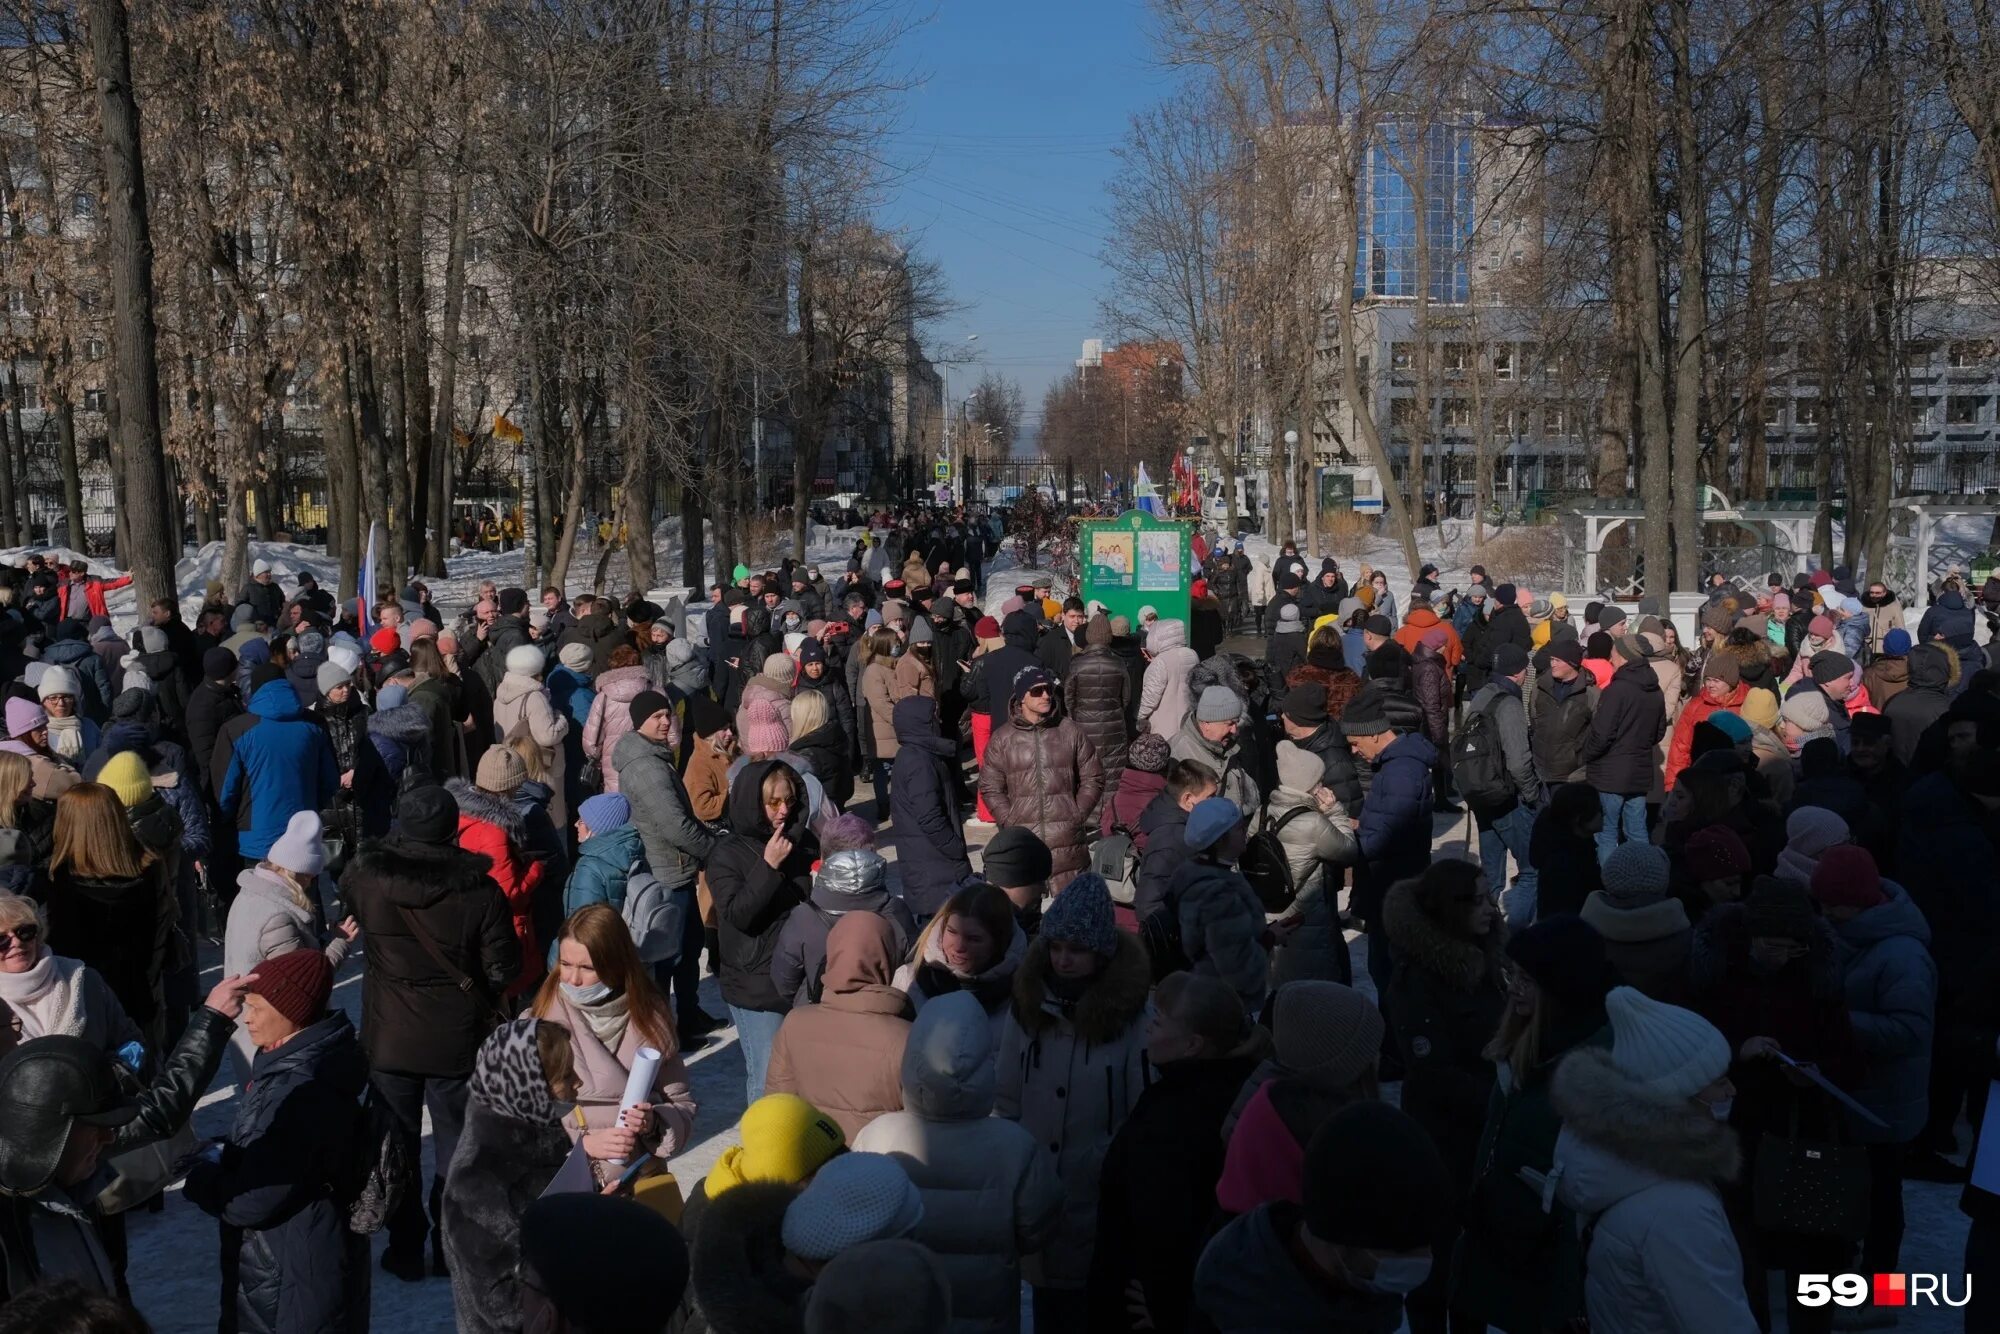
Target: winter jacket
x=1519, y=1266
x=1164, y=699
x=1250, y=1281
x=490, y=827
x=603, y=867
x=415, y=1019
x=159, y=674
x=266, y=920
x=1020, y=638
x=1431, y=686
x=1340, y=772
x=1883, y=616
x=501, y=1166
x=1950, y=866
x=603, y=1073
x=848, y=881
x=927, y=976
x=1891, y=984
x=1157, y=1197
x=1393, y=836
x=1098, y=694
x=1125, y=806
x=1500, y=699
x=1047, y=777
x=1222, y=928
x=1163, y=829
x=610, y=718
x=125, y=929
x=1228, y=759
x=1884, y=679
x=1911, y=712
x=1317, y=849
x=209, y=707
x=1422, y=619
x=844, y=1055
x=1697, y=710
x=1948, y=619
x=677, y=843
x=708, y=780
x=1070, y=1076
x=1444, y=1001
x=990, y=1191
x=752, y=900
x=1642, y=1177
x=926, y=825
x=290, y=1265
x=98, y=692
x=521, y=707
x=824, y=751
x=1565, y=865
x=839, y=703
x=878, y=704
x=1558, y=720
x=281, y=766
x=1631, y=718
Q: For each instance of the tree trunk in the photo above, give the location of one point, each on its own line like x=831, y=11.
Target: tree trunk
x=444, y=423
x=15, y=448
x=692, y=538
x=235, y=533
x=1636, y=256
x=1691, y=313
x=129, y=263
x=572, y=509
x=418, y=441
x=72, y=478
x=637, y=505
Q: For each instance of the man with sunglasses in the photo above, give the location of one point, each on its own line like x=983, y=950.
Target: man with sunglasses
x=1041, y=772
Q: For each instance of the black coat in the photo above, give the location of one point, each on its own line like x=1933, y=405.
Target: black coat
x=1205, y=630
x=1565, y=866
x=209, y=707
x=1558, y=724
x=825, y=749
x=925, y=820
x=1007, y=661
x=839, y=703
x=122, y=928
x=288, y=1260
x=1618, y=754
x=1950, y=864
x=414, y=1018
x=1156, y=1193
x=1163, y=825
x=267, y=600
x=1336, y=759
x=751, y=899
x=1098, y=693
x=501, y=1166
x=1508, y=625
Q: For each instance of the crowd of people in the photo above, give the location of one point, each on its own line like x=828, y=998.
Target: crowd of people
x=1033, y=932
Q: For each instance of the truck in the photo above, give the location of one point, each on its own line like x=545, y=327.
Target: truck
x=1356, y=487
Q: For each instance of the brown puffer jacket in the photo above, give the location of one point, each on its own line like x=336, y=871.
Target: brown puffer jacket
x=1046, y=778
x=1098, y=693
x=845, y=1054
x=1885, y=678
x=878, y=696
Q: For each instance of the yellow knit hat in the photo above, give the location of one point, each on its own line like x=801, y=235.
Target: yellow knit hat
x=125, y=774
x=785, y=1139
x=1760, y=708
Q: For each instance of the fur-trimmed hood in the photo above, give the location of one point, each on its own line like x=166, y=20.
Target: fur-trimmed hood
x=1723, y=937
x=417, y=875
x=1422, y=943
x=1116, y=997
x=480, y=804
x=738, y=1262
x=406, y=724
x=1637, y=1138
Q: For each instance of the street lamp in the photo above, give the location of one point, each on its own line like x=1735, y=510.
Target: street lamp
x=950, y=457
x=1292, y=443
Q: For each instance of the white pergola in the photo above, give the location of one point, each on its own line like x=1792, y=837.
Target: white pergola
x=1778, y=525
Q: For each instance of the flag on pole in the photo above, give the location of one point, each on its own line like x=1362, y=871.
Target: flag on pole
x=1146, y=497
x=366, y=591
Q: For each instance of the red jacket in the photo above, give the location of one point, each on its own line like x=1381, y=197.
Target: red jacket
x=1696, y=710
x=94, y=590
x=517, y=878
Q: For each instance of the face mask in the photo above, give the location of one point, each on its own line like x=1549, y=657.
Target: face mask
x=1720, y=1110
x=1398, y=1275
x=593, y=994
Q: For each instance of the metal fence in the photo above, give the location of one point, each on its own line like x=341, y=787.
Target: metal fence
x=1004, y=479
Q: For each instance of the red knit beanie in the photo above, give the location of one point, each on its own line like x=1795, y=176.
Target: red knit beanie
x=1716, y=853
x=385, y=641
x=296, y=985
x=1846, y=877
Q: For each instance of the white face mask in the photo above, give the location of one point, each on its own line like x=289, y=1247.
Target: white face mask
x=590, y=995
x=1398, y=1275
x=1720, y=1110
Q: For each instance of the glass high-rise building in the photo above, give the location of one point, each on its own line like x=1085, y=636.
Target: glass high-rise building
x=1440, y=156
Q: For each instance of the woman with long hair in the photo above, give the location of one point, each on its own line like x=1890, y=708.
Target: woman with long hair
x=111, y=905
x=439, y=694
x=878, y=702
x=602, y=993
x=818, y=740
x=973, y=944
x=25, y=824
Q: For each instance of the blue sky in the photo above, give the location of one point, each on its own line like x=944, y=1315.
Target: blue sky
x=1006, y=144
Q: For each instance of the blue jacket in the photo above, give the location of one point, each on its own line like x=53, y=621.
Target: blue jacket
x=1394, y=833
x=297, y=1267
x=1891, y=987
x=571, y=693
x=924, y=818
x=1948, y=619
x=82, y=659
x=282, y=765
x=603, y=864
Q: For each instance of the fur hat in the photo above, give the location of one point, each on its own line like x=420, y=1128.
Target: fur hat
x=1664, y=1050
x=1081, y=916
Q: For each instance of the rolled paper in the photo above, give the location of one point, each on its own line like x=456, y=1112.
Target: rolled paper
x=639, y=1084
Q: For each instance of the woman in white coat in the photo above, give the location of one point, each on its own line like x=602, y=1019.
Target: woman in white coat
x=276, y=910
x=521, y=707
x=1318, y=838
x=990, y=1191
x=1645, y=1144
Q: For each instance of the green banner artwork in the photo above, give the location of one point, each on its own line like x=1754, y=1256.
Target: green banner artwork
x=1136, y=561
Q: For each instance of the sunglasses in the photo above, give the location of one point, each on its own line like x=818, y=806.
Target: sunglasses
x=1038, y=692
x=27, y=933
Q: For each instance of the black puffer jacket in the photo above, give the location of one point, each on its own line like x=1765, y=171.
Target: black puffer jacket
x=124, y=928
x=1618, y=752
x=289, y=1262
x=1559, y=719
x=414, y=1018
x=209, y=707
x=1430, y=683
x=1005, y=662
x=752, y=900
x=824, y=749
x=1098, y=692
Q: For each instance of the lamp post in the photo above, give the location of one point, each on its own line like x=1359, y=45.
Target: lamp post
x=950, y=457
x=1310, y=507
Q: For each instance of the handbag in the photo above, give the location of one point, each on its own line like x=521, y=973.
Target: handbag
x=1112, y=857
x=1818, y=1187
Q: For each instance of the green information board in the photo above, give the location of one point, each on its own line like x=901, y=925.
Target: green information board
x=1134, y=561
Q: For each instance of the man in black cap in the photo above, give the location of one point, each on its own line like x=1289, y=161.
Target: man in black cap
x=1505, y=811
x=442, y=956
x=63, y=1114
x=1018, y=864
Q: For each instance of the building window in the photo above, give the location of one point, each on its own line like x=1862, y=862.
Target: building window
x=30, y=396
x=1806, y=412
x=1503, y=363
x=1968, y=354
x=1963, y=411
x=1402, y=411
x=83, y=204
x=93, y=400
x=1503, y=424
x=1552, y=422
x=93, y=349
x=1455, y=356
x=1399, y=356
x=1457, y=414
x=475, y=347
x=1774, y=414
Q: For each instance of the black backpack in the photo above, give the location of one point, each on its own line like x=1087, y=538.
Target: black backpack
x=1478, y=764
x=816, y=984
x=1265, y=865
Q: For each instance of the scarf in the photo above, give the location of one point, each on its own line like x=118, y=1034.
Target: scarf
x=47, y=1000
x=606, y=1019
x=66, y=736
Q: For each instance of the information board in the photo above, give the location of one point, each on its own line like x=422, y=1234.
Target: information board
x=1134, y=561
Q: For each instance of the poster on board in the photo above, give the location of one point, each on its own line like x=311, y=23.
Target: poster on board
x=1111, y=559
x=1159, y=561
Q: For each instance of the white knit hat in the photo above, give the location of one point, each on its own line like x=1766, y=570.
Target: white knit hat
x=855, y=1198
x=525, y=660
x=1667, y=1051
x=58, y=680
x=300, y=847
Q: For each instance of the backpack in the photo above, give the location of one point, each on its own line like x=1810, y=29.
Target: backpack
x=816, y=984
x=381, y=1166
x=1266, y=866
x=652, y=916
x=1478, y=764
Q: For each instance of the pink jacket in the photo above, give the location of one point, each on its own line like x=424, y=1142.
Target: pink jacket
x=610, y=717
x=603, y=1073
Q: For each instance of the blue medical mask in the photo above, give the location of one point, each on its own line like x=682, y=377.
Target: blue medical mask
x=1398, y=1275
x=593, y=994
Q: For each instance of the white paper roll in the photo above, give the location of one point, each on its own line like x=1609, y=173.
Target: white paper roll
x=639, y=1084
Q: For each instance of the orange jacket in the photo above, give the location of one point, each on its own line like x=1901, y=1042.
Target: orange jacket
x=1680, y=750
x=1420, y=621
x=517, y=878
